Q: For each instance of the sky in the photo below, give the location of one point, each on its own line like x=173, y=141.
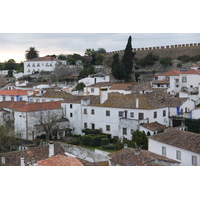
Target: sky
x=14, y=45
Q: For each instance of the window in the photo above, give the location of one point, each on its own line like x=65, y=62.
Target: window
x=164, y=113
x=85, y=111
x=178, y=155
x=184, y=79
x=120, y=113
x=37, y=100
x=141, y=116
x=155, y=115
x=194, y=160
x=70, y=105
x=92, y=90
x=107, y=113
x=43, y=100
x=92, y=111
x=31, y=100
x=131, y=114
x=33, y=65
x=12, y=98
x=85, y=125
x=107, y=127
x=4, y=98
x=71, y=114
x=21, y=98
x=93, y=126
x=164, y=151
x=124, y=131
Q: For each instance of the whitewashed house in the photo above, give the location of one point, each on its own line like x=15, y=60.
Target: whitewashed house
x=41, y=64
x=72, y=111
x=97, y=88
x=177, y=145
x=94, y=78
x=27, y=118
x=170, y=78
x=15, y=95
x=49, y=95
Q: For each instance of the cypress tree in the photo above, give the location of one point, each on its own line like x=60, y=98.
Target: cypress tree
x=128, y=59
x=118, y=69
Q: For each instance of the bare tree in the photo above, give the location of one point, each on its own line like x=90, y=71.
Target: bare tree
x=47, y=121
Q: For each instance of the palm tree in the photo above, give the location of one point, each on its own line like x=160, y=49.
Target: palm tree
x=31, y=53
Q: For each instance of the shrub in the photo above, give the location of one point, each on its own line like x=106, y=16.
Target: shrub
x=92, y=140
x=149, y=59
x=109, y=147
x=104, y=141
x=92, y=131
x=179, y=65
x=184, y=58
x=167, y=61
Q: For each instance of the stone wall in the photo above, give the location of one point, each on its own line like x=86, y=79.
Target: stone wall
x=172, y=51
x=85, y=154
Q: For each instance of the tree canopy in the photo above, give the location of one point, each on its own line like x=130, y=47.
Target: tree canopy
x=140, y=139
x=127, y=59
x=31, y=53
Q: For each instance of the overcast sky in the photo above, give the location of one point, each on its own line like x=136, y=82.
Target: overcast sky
x=14, y=45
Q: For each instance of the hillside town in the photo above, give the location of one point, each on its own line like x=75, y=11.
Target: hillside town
x=55, y=112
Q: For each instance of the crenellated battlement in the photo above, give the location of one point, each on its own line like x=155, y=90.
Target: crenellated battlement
x=172, y=51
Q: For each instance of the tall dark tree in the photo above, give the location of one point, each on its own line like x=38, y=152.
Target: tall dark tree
x=31, y=53
x=118, y=69
x=128, y=59
x=10, y=65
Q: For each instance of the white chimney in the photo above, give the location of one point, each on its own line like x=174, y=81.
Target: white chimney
x=30, y=93
x=22, y=161
x=137, y=102
x=3, y=160
x=51, y=149
x=103, y=96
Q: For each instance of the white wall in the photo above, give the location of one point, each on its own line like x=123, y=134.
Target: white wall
x=31, y=66
x=24, y=123
x=186, y=156
x=75, y=121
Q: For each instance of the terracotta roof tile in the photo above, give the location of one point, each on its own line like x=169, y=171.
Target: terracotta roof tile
x=191, y=72
x=182, y=139
x=102, y=84
x=53, y=94
x=121, y=86
x=31, y=107
x=12, y=104
x=152, y=100
x=153, y=126
x=32, y=154
x=15, y=92
x=46, y=58
x=171, y=73
x=60, y=160
x=129, y=157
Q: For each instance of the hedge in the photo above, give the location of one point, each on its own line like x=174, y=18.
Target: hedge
x=109, y=147
x=92, y=140
x=104, y=141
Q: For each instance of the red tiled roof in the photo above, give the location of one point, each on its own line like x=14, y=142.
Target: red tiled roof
x=12, y=104
x=193, y=71
x=15, y=92
x=60, y=160
x=183, y=139
x=153, y=126
x=121, y=86
x=31, y=107
x=129, y=157
x=48, y=58
x=171, y=73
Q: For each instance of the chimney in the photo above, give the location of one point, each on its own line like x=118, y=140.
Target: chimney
x=3, y=160
x=137, y=102
x=22, y=161
x=30, y=93
x=51, y=149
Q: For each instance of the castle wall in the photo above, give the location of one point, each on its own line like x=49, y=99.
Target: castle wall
x=172, y=51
